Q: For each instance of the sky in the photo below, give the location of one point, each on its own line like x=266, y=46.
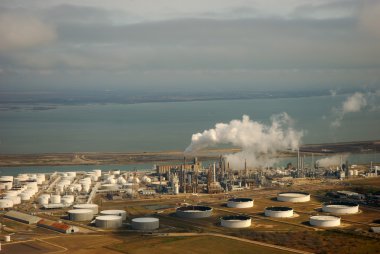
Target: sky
x=198, y=45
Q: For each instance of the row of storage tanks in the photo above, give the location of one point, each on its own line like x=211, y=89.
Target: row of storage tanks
x=110, y=219
x=242, y=221
x=19, y=189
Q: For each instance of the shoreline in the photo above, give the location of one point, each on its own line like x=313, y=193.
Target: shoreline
x=120, y=158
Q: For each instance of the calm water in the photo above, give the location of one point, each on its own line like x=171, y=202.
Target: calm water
x=167, y=126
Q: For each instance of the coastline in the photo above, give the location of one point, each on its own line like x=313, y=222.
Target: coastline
x=110, y=158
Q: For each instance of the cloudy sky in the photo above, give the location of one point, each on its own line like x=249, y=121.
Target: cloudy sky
x=189, y=45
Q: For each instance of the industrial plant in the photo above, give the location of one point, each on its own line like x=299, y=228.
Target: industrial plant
x=191, y=196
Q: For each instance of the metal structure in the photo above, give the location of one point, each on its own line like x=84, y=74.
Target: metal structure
x=121, y=213
x=145, y=223
x=108, y=221
x=340, y=208
x=81, y=214
x=194, y=212
x=240, y=203
x=324, y=221
x=294, y=197
x=235, y=221
x=279, y=211
x=93, y=207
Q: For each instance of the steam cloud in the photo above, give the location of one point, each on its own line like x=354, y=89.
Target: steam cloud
x=259, y=143
x=353, y=103
x=332, y=160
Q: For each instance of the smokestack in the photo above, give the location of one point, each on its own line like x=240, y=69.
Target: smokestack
x=214, y=173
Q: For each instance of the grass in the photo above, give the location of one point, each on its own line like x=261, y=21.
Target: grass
x=187, y=245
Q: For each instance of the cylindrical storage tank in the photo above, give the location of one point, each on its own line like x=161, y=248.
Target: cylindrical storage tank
x=15, y=199
x=6, y=178
x=294, y=197
x=80, y=214
x=43, y=200
x=145, y=223
x=86, y=187
x=6, y=185
x=32, y=185
x=324, y=221
x=98, y=172
x=340, y=208
x=235, y=221
x=279, y=212
x=55, y=199
x=67, y=199
x=72, y=174
x=25, y=196
x=7, y=238
x=240, y=203
x=108, y=221
x=93, y=207
x=121, y=213
x=194, y=212
x=6, y=203
x=12, y=193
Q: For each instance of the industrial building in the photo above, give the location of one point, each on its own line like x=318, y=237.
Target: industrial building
x=22, y=217
x=57, y=226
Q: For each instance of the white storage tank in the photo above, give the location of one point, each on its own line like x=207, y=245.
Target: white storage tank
x=80, y=214
x=98, y=172
x=25, y=196
x=6, y=203
x=324, y=221
x=235, y=221
x=294, y=197
x=340, y=208
x=43, y=200
x=108, y=221
x=55, y=199
x=121, y=213
x=6, y=185
x=67, y=199
x=240, y=203
x=145, y=223
x=93, y=207
x=279, y=212
x=15, y=199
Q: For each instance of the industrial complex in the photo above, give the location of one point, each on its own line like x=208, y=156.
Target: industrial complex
x=189, y=199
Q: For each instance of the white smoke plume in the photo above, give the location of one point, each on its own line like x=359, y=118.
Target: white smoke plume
x=259, y=142
x=354, y=103
x=332, y=161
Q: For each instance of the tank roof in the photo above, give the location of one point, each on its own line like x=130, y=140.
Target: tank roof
x=279, y=208
x=236, y=217
x=145, y=219
x=194, y=208
x=240, y=199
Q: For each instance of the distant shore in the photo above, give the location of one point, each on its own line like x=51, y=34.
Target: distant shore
x=105, y=158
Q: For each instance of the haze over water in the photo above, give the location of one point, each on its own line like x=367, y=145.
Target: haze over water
x=168, y=126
